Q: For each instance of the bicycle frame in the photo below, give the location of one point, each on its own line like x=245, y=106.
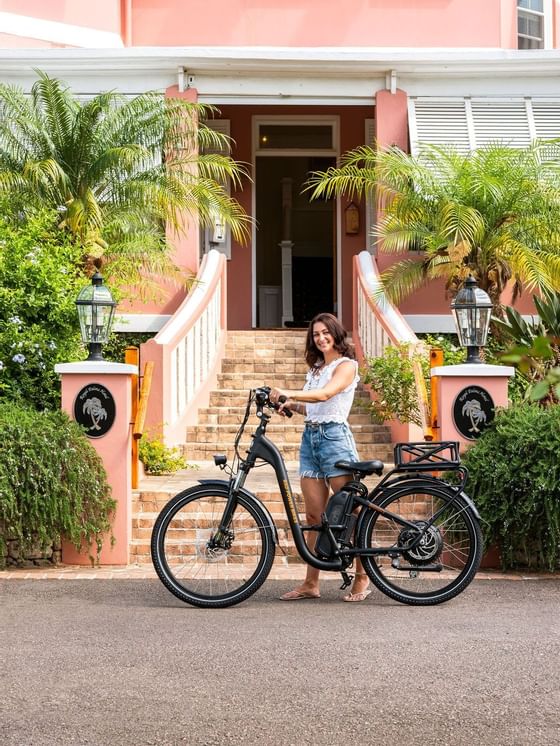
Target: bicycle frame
x=263, y=448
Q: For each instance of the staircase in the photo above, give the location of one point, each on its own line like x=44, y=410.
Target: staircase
x=252, y=359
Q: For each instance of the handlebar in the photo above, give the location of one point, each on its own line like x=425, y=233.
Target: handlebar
x=262, y=398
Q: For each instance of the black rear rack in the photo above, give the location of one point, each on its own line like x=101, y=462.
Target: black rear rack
x=427, y=456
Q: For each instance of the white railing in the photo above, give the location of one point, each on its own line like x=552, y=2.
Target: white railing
x=377, y=323
x=187, y=352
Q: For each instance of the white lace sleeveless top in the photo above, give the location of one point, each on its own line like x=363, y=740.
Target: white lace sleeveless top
x=337, y=408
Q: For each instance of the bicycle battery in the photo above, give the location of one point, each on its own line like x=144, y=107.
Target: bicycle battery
x=338, y=514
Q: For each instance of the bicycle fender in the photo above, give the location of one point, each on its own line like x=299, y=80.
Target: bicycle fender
x=225, y=484
x=471, y=505
x=410, y=483
x=418, y=482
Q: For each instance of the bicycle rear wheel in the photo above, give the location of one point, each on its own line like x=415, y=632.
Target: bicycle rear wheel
x=446, y=559
x=202, y=568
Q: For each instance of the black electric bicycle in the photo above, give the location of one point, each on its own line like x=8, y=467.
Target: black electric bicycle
x=417, y=535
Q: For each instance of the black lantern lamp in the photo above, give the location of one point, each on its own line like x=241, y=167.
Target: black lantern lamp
x=96, y=309
x=472, y=309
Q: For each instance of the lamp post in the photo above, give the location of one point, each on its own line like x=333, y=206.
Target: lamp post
x=96, y=309
x=472, y=309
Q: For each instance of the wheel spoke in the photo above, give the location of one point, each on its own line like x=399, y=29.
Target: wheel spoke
x=438, y=566
x=199, y=564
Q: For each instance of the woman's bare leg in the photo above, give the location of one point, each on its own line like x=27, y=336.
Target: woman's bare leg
x=361, y=580
x=315, y=495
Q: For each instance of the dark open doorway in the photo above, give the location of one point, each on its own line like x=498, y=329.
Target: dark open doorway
x=295, y=244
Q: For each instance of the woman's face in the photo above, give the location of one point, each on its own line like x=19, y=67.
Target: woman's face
x=322, y=338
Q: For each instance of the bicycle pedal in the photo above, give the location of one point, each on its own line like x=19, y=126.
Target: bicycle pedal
x=346, y=580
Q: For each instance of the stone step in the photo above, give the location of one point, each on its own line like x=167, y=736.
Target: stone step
x=283, y=431
x=280, y=365
x=228, y=397
x=290, y=451
x=261, y=348
x=147, y=504
x=252, y=380
x=234, y=415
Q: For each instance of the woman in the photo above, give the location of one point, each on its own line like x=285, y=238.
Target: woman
x=325, y=402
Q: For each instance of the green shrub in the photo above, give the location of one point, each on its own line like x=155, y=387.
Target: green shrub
x=52, y=482
x=514, y=480
x=391, y=378
x=159, y=458
x=39, y=282
x=453, y=353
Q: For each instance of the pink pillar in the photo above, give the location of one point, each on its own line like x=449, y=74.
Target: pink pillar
x=391, y=119
x=187, y=244
x=468, y=396
x=98, y=395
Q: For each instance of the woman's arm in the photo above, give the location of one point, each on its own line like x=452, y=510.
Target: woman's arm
x=341, y=379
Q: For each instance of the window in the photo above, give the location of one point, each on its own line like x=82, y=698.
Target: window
x=533, y=24
x=293, y=136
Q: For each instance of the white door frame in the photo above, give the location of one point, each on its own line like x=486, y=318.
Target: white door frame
x=334, y=152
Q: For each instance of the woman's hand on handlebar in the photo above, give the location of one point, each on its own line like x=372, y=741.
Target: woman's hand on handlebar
x=281, y=402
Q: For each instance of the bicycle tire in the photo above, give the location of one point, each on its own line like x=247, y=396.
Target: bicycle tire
x=204, y=576
x=454, y=545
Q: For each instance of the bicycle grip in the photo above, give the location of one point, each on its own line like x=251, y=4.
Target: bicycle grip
x=287, y=412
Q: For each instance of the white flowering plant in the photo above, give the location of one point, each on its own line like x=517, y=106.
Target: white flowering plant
x=39, y=282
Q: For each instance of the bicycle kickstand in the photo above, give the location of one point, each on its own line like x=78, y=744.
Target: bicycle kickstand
x=347, y=579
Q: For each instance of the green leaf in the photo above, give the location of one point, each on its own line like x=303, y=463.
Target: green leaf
x=539, y=391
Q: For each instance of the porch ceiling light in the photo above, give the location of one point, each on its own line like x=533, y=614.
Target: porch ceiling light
x=472, y=309
x=96, y=309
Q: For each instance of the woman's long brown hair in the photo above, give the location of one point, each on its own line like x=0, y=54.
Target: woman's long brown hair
x=313, y=356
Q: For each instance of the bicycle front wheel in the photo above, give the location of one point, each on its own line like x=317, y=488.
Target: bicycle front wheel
x=206, y=568
x=445, y=560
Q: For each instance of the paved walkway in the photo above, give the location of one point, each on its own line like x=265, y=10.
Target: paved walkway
x=130, y=572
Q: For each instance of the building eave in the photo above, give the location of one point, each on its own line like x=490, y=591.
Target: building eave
x=313, y=61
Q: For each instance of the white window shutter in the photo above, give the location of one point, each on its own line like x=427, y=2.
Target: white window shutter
x=547, y=119
x=438, y=121
x=370, y=199
x=506, y=122
x=472, y=123
x=213, y=238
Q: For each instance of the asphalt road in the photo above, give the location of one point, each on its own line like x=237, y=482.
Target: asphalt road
x=123, y=662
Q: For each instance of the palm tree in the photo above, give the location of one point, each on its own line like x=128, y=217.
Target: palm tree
x=491, y=213
x=118, y=170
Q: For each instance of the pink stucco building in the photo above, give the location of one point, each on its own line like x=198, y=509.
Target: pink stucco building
x=297, y=83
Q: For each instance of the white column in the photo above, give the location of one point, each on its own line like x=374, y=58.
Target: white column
x=287, y=308
x=287, y=245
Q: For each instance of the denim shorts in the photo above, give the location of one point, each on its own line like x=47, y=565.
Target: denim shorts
x=321, y=446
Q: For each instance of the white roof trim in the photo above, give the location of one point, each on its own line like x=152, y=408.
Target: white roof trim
x=321, y=61
x=57, y=33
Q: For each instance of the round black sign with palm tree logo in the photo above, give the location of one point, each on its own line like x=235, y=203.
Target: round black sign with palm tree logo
x=473, y=411
x=94, y=409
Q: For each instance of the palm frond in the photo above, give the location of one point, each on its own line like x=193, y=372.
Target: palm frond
x=403, y=278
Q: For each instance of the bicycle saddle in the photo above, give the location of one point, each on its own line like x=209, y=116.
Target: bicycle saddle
x=363, y=468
